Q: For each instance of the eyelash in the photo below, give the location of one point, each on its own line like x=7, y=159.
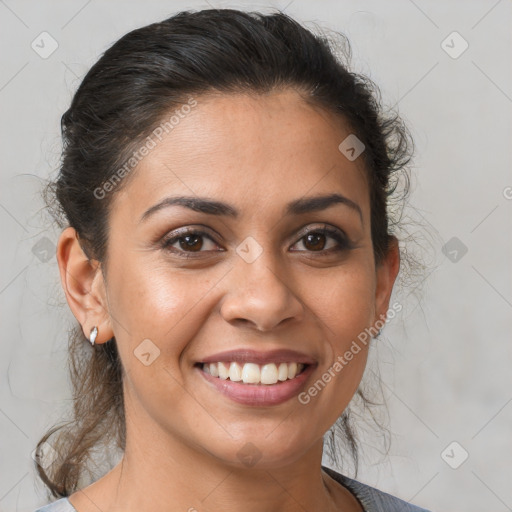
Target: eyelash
x=343, y=242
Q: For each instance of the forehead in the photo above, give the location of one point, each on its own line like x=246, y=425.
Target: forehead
x=248, y=149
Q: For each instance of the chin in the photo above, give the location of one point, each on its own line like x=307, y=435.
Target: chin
x=260, y=452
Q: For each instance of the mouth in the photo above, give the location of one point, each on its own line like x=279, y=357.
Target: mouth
x=253, y=384
x=255, y=377
x=252, y=373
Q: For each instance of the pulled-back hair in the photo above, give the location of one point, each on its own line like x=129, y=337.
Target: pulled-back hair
x=124, y=96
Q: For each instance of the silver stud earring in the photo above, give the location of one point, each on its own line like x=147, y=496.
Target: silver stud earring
x=93, y=335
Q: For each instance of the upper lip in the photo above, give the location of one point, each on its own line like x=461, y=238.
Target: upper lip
x=255, y=356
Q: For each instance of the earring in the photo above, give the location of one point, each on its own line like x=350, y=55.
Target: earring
x=92, y=336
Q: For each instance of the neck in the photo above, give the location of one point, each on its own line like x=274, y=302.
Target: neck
x=149, y=478
x=165, y=472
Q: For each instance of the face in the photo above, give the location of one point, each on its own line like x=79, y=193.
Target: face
x=268, y=269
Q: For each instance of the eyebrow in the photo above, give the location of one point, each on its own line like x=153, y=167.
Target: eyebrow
x=212, y=207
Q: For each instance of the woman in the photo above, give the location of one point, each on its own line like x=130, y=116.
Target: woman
x=228, y=254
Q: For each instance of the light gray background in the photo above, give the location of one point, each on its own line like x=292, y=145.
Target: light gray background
x=445, y=361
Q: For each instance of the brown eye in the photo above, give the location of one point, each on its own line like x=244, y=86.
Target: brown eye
x=324, y=241
x=315, y=241
x=191, y=242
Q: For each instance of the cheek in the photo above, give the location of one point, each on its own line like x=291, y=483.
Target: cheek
x=146, y=297
x=344, y=302
x=156, y=302
x=345, y=311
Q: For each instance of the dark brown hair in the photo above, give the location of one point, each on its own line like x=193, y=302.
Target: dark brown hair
x=124, y=96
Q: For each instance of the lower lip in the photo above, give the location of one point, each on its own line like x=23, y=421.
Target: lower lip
x=259, y=394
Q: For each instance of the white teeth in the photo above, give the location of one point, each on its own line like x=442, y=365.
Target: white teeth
x=283, y=371
x=223, y=370
x=269, y=374
x=214, y=370
x=252, y=373
x=292, y=370
x=235, y=372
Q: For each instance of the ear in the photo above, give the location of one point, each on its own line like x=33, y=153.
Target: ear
x=83, y=284
x=386, y=273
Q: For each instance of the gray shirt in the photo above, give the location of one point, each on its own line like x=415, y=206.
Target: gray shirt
x=371, y=499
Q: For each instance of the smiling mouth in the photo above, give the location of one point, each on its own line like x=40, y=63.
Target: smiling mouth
x=253, y=373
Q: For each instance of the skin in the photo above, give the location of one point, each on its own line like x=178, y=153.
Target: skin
x=256, y=153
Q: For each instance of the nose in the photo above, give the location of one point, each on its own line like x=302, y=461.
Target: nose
x=260, y=296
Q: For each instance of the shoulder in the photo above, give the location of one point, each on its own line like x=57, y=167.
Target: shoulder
x=62, y=505
x=372, y=499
